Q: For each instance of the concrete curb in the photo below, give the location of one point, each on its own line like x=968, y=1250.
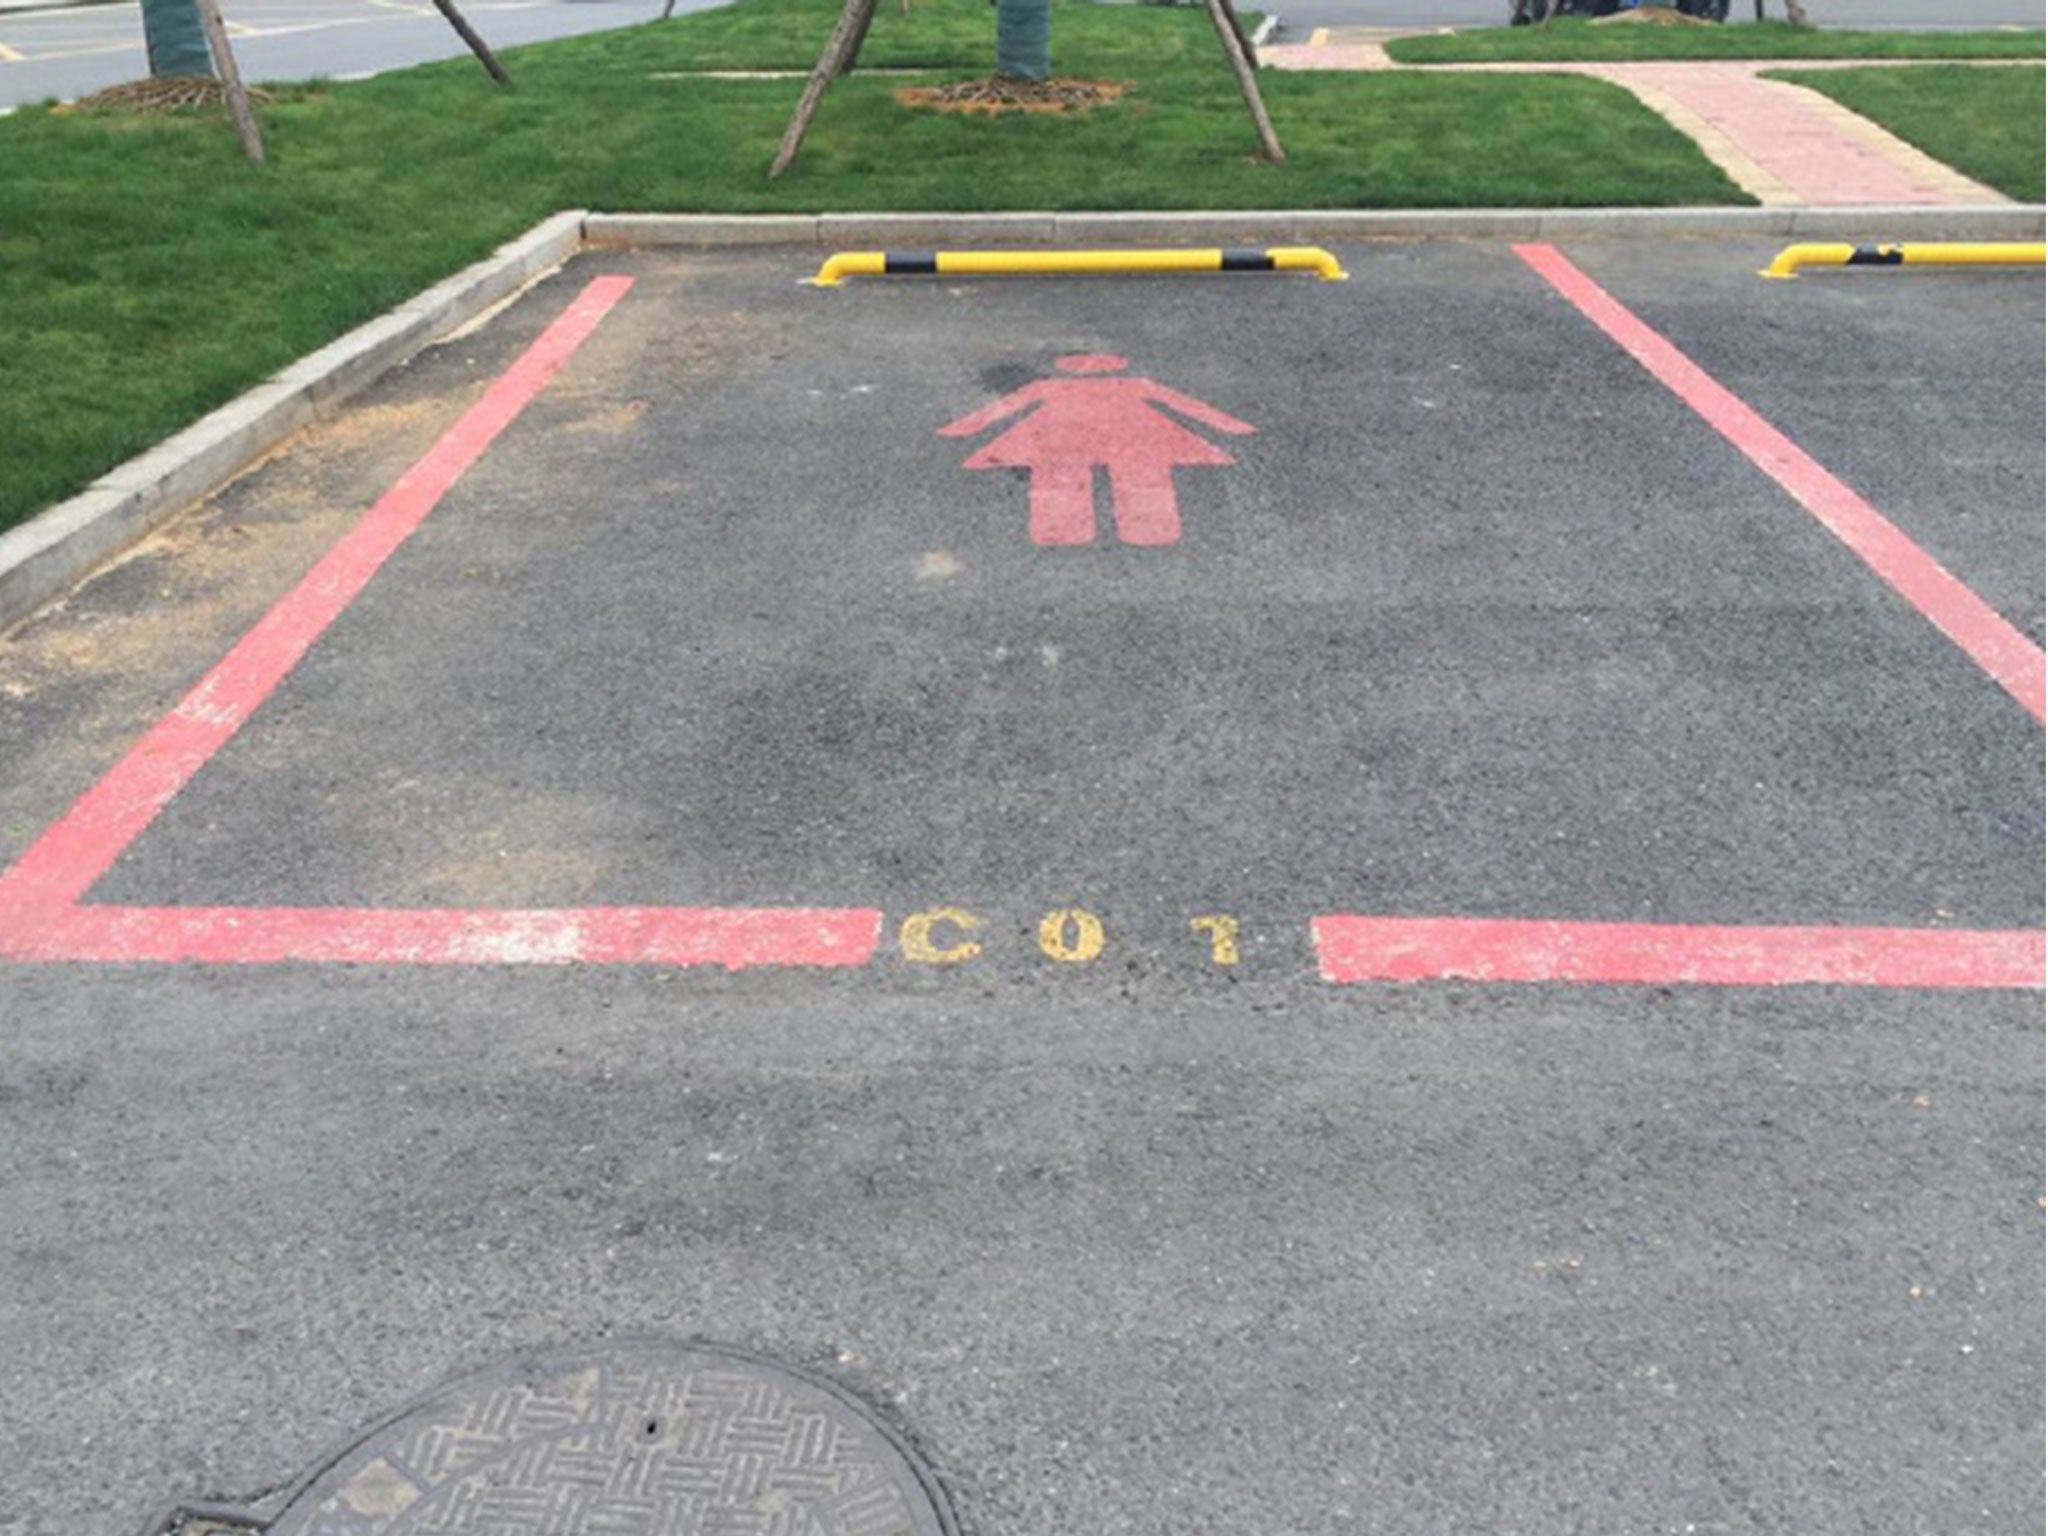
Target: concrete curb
x=50, y=553
x=2001, y=221
x=45, y=556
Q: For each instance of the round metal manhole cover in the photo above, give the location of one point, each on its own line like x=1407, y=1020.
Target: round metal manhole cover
x=626, y=1440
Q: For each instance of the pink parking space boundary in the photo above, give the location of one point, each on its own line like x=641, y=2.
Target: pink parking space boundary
x=2008, y=657
x=43, y=915
x=1355, y=948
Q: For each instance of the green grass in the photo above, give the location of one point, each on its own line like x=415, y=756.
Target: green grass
x=1984, y=122
x=147, y=273
x=1573, y=39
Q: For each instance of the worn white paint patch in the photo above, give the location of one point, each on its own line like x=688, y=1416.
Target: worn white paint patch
x=522, y=938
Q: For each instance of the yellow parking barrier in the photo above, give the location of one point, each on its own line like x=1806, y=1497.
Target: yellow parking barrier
x=1274, y=258
x=1915, y=254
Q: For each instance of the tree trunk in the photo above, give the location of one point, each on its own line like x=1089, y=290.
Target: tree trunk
x=841, y=48
x=175, y=39
x=231, y=80
x=477, y=45
x=1224, y=18
x=859, y=41
x=1024, y=38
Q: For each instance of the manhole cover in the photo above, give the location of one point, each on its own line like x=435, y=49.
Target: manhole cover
x=626, y=1440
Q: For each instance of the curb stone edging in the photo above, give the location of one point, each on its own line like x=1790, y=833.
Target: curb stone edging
x=50, y=553
x=53, y=551
x=2002, y=221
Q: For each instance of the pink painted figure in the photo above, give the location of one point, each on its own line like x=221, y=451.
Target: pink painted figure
x=1080, y=424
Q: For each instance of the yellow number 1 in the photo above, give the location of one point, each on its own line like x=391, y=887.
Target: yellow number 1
x=1222, y=932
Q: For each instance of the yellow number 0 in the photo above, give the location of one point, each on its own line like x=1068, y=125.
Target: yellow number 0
x=1052, y=935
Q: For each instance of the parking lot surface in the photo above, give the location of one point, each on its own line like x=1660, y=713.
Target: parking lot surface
x=1252, y=904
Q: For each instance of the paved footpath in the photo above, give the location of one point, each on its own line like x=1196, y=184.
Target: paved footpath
x=1781, y=143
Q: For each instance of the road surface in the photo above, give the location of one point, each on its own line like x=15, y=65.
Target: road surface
x=73, y=52
x=1300, y=1017
x=1301, y=16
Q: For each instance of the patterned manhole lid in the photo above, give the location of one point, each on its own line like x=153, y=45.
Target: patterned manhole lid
x=626, y=1440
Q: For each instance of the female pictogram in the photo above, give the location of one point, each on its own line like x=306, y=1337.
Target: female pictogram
x=1089, y=421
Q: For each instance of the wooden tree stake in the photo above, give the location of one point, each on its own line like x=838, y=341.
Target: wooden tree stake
x=477, y=45
x=1244, y=40
x=1224, y=18
x=230, y=79
x=841, y=48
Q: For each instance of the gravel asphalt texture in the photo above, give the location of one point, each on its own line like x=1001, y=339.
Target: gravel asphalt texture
x=1483, y=621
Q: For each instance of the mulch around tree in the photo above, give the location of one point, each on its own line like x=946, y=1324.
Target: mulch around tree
x=159, y=93
x=1005, y=93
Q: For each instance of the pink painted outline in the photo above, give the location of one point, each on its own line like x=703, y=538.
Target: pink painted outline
x=1355, y=948
x=43, y=918
x=2008, y=657
x=1352, y=949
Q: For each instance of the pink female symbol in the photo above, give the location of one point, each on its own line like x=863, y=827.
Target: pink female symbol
x=1091, y=421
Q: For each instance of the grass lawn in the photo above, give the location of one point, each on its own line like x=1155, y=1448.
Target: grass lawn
x=1984, y=122
x=148, y=274
x=1571, y=39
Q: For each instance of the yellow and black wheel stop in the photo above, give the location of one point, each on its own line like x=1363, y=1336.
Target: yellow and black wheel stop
x=1924, y=253
x=1272, y=258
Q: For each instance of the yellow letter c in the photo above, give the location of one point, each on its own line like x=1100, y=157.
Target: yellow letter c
x=916, y=937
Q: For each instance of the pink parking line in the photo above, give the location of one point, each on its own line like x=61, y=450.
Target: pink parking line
x=40, y=915
x=63, y=863
x=1351, y=948
x=733, y=937
x=41, y=918
x=2008, y=657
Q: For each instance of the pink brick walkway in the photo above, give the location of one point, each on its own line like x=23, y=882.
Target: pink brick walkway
x=1783, y=144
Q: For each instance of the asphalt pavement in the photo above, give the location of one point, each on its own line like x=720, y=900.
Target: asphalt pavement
x=1127, y=1228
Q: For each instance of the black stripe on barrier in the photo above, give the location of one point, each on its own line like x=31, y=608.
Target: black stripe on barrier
x=1877, y=256
x=910, y=264
x=1245, y=261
